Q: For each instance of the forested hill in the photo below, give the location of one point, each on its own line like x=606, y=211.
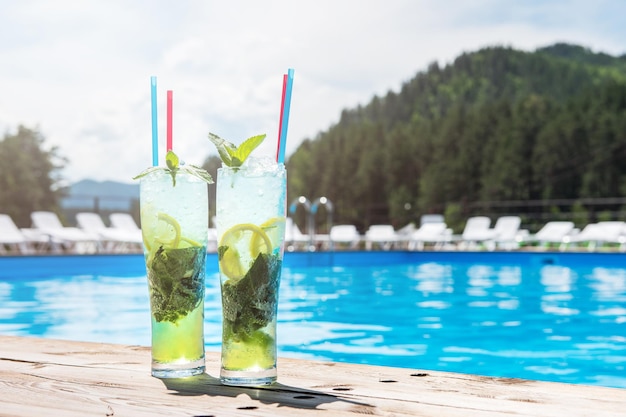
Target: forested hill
x=497, y=124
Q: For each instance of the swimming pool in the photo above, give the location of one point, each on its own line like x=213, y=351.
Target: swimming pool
x=545, y=316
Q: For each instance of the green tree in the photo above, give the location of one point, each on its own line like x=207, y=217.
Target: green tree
x=559, y=156
x=496, y=124
x=29, y=175
x=604, y=121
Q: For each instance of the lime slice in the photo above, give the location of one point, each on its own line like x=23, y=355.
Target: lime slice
x=238, y=252
x=275, y=230
x=186, y=242
x=166, y=232
x=230, y=264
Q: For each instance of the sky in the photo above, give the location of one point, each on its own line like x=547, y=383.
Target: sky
x=79, y=72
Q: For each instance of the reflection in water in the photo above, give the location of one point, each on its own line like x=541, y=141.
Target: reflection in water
x=609, y=284
x=550, y=322
x=559, y=283
x=515, y=320
x=433, y=278
x=91, y=308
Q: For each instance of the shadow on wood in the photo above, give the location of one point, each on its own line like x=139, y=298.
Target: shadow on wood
x=279, y=394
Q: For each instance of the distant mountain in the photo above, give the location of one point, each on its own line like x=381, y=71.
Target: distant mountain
x=108, y=195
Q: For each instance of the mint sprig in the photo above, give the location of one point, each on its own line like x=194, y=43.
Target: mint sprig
x=173, y=166
x=233, y=156
x=176, y=279
x=171, y=160
x=250, y=303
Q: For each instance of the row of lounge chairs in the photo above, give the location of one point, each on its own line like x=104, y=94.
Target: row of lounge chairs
x=478, y=234
x=49, y=235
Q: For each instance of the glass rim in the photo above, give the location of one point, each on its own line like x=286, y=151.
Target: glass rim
x=157, y=174
x=254, y=172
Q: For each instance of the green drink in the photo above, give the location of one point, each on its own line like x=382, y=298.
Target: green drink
x=174, y=224
x=251, y=226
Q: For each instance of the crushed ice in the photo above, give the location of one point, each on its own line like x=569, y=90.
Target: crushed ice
x=261, y=165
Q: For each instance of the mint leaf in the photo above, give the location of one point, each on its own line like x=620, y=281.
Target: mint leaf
x=245, y=149
x=233, y=156
x=250, y=303
x=173, y=166
x=224, y=148
x=146, y=172
x=198, y=173
x=171, y=160
x=220, y=252
x=176, y=279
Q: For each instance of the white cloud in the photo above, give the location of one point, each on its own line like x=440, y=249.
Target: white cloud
x=80, y=70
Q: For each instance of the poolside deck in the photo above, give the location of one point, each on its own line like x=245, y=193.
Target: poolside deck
x=52, y=377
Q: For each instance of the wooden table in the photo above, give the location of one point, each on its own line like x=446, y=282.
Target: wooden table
x=43, y=377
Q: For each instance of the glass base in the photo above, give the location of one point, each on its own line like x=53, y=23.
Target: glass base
x=174, y=370
x=248, y=378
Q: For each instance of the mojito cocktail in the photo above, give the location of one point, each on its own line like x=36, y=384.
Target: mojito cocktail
x=174, y=224
x=251, y=228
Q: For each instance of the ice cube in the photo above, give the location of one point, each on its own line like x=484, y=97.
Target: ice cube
x=260, y=165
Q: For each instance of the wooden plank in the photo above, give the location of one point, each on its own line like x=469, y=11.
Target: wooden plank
x=52, y=377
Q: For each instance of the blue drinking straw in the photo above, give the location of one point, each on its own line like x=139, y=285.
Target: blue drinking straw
x=155, y=133
x=283, y=129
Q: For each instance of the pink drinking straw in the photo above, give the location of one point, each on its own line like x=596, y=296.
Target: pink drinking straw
x=280, y=122
x=155, y=134
x=285, y=117
x=169, y=120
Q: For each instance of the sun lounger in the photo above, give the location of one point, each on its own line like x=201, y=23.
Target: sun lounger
x=112, y=239
x=40, y=241
x=432, y=218
x=12, y=238
x=406, y=231
x=383, y=236
x=62, y=238
x=476, y=232
x=404, y=236
x=294, y=238
x=125, y=222
x=615, y=232
x=554, y=232
x=344, y=235
x=597, y=234
x=505, y=233
x=437, y=234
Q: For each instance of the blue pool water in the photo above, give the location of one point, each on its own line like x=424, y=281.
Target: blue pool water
x=545, y=316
